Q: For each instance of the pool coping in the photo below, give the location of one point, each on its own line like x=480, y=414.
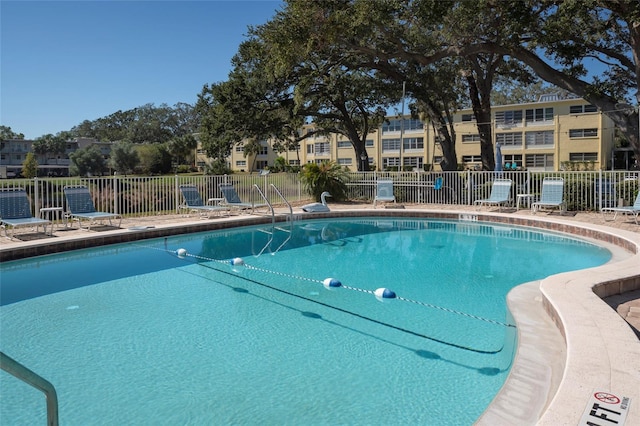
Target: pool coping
x=602, y=352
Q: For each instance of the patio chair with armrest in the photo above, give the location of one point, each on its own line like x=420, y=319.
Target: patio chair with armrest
x=193, y=202
x=15, y=212
x=500, y=194
x=233, y=200
x=551, y=196
x=384, y=191
x=633, y=210
x=80, y=207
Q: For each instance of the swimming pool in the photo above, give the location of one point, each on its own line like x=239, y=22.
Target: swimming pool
x=164, y=339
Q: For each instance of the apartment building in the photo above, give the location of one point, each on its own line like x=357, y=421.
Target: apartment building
x=551, y=134
x=13, y=152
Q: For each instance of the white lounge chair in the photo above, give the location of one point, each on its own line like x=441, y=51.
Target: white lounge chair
x=632, y=210
x=384, y=192
x=551, y=196
x=80, y=207
x=15, y=211
x=193, y=202
x=232, y=199
x=500, y=194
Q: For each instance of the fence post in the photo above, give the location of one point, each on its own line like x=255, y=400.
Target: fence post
x=115, y=193
x=176, y=192
x=36, y=200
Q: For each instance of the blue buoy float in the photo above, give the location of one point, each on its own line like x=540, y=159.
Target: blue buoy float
x=384, y=293
x=181, y=252
x=331, y=283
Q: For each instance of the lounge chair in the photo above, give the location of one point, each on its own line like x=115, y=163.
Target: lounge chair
x=232, y=199
x=551, y=196
x=384, y=191
x=632, y=210
x=80, y=207
x=193, y=202
x=15, y=211
x=500, y=194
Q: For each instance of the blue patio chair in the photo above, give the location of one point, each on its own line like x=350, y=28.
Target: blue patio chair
x=384, y=191
x=500, y=194
x=633, y=210
x=15, y=212
x=551, y=196
x=80, y=207
x=437, y=185
x=232, y=199
x=193, y=202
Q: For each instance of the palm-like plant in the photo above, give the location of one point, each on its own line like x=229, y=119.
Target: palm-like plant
x=326, y=176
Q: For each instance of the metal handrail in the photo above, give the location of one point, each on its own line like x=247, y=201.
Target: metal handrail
x=21, y=372
x=273, y=214
x=283, y=199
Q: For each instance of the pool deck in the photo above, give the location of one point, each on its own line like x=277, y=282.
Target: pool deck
x=575, y=337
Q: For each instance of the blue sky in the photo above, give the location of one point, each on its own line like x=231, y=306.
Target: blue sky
x=63, y=62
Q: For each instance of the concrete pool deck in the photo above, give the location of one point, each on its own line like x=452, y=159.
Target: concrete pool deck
x=572, y=341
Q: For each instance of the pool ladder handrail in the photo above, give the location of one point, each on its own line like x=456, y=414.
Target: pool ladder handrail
x=264, y=197
x=273, y=220
x=21, y=372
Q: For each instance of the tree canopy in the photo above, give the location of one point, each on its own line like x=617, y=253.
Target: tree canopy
x=341, y=62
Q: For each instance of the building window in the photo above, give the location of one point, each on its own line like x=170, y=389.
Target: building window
x=534, y=139
x=412, y=143
x=322, y=148
x=470, y=138
x=471, y=158
x=310, y=148
x=368, y=143
x=260, y=164
x=396, y=124
x=583, y=156
x=508, y=117
x=390, y=162
x=240, y=147
x=509, y=139
x=513, y=159
x=583, y=133
x=344, y=144
x=344, y=161
x=264, y=150
x=294, y=162
x=241, y=163
x=390, y=145
x=539, y=115
x=579, y=109
x=468, y=117
x=541, y=161
x=413, y=162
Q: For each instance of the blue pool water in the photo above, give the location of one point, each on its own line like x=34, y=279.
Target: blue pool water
x=134, y=334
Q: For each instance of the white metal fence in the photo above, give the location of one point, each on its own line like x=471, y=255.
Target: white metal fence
x=152, y=196
x=583, y=191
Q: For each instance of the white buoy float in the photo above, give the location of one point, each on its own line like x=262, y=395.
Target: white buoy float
x=331, y=283
x=181, y=253
x=237, y=261
x=384, y=293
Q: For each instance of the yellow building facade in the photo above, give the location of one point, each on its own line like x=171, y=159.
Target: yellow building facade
x=548, y=135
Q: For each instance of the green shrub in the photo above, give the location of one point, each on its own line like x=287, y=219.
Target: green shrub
x=327, y=176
